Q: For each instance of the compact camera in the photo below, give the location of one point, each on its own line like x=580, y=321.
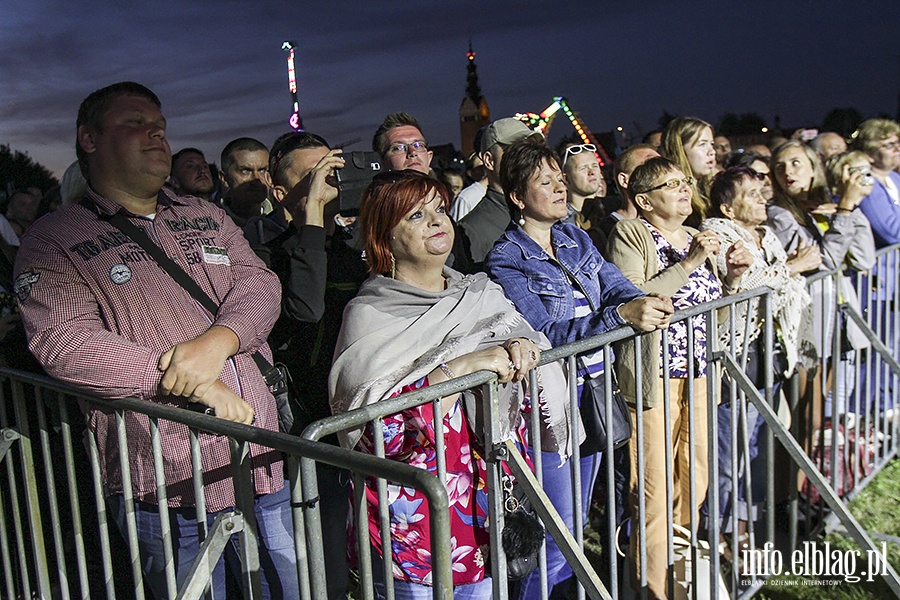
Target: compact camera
x=867, y=178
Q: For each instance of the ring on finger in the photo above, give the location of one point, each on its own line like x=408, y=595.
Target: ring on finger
x=511, y=365
x=533, y=355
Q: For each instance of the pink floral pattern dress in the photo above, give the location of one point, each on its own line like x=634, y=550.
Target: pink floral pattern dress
x=409, y=437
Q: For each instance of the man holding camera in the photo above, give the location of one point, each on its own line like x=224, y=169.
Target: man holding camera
x=321, y=268
x=101, y=314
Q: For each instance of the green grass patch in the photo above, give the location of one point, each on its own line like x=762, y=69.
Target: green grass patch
x=878, y=511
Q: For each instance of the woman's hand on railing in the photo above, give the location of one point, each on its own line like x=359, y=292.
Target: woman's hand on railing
x=497, y=359
x=647, y=313
x=524, y=355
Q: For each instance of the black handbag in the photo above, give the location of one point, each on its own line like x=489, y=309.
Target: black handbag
x=275, y=376
x=522, y=534
x=593, y=415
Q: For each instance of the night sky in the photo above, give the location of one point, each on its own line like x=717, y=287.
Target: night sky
x=220, y=72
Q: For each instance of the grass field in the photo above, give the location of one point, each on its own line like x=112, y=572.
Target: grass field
x=877, y=508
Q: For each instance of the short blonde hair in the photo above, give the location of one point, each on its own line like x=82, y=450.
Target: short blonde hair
x=834, y=168
x=871, y=133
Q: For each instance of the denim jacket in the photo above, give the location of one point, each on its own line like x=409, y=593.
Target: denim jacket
x=542, y=288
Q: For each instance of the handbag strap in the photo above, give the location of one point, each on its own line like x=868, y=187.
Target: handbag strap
x=137, y=235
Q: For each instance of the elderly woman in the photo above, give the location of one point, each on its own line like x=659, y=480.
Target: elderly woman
x=804, y=214
x=415, y=323
x=688, y=142
x=757, y=162
x=739, y=213
x=557, y=279
x=879, y=139
x=660, y=254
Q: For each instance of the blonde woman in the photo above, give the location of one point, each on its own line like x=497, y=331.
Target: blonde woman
x=688, y=142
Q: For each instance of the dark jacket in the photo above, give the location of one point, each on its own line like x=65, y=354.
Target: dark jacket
x=319, y=276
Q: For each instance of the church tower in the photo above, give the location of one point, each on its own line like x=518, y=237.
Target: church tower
x=473, y=112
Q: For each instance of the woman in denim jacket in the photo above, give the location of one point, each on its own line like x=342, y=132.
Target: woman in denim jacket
x=557, y=279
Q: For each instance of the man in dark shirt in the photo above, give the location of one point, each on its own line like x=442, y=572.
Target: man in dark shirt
x=480, y=228
x=321, y=269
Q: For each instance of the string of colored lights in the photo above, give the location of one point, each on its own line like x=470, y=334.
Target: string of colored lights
x=541, y=123
x=295, y=121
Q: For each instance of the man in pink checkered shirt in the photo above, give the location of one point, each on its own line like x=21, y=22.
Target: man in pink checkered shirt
x=101, y=314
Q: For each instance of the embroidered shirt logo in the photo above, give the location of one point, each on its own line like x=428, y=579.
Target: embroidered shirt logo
x=120, y=274
x=23, y=283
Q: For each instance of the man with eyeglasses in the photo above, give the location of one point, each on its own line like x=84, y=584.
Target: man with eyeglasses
x=584, y=182
x=400, y=143
x=478, y=230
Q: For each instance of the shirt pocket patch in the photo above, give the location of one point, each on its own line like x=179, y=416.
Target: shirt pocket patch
x=214, y=255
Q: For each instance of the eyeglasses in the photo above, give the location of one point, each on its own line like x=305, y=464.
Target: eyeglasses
x=578, y=149
x=413, y=148
x=895, y=145
x=671, y=184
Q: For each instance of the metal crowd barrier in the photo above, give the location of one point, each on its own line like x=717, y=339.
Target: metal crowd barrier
x=743, y=577
x=47, y=500
x=834, y=466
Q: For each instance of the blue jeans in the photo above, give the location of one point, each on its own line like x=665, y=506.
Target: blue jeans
x=277, y=559
x=558, y=485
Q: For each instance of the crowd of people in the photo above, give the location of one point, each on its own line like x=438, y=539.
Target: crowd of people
x=441, y=274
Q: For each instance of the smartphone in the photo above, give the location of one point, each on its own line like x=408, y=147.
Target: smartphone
x=358, y=171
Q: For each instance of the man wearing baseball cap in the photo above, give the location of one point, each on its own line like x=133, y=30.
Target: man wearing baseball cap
x=478, y=230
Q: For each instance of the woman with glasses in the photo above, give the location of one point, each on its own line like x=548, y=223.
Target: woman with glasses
x=557, y=279
x=661, y=255
x=738, y=214
x=688, y=142
x=416, y=323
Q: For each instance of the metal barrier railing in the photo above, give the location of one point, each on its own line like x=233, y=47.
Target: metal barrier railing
x=46, y=516
x=39, y=547
x=730, y=362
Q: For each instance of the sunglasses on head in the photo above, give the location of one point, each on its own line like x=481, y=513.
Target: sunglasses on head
x=577, y=149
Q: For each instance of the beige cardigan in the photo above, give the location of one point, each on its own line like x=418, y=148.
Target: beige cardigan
x=631, y=248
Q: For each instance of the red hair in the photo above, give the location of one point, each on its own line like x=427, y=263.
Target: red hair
x=385, y=202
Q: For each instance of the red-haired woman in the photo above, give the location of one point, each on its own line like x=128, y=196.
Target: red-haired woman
x=415, y=323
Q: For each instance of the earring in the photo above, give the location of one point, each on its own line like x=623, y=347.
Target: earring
x=393, y=267
x=521, y=219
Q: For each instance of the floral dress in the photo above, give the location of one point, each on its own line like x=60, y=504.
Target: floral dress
x=409, y=437
x=702, y=287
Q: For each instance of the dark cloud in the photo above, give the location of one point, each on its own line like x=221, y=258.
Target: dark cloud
x=220, y=71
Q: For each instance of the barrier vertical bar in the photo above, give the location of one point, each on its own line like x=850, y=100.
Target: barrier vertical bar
x=74, y=503
x=52, y=504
